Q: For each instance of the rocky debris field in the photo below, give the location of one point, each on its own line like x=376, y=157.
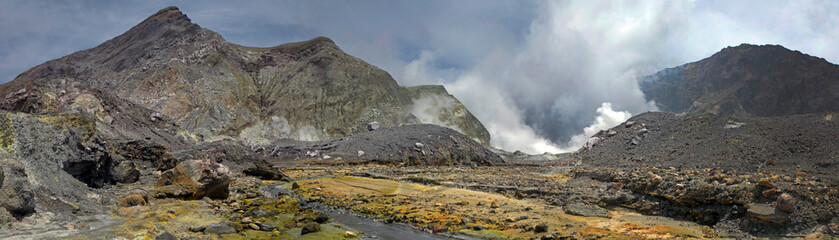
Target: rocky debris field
x=729, y=172
x=409, y=145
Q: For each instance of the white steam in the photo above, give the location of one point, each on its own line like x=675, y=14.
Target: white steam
x=606, y=119
x=428, y=108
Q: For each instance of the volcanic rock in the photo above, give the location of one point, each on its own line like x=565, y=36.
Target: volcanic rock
x=586, y=210
x=786, y=203
x=125, y=172
x=219, y=228
x=747, y=80
x=16, y=194
x=195, y=179
x=309, y=227
x=765, y=213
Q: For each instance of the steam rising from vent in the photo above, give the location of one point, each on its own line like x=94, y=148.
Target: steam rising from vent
x=430, y=107
x=606, y=118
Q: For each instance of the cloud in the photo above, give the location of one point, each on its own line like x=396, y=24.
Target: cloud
x=579, y=61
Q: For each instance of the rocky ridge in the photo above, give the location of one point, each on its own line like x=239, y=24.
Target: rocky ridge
x=747, y=80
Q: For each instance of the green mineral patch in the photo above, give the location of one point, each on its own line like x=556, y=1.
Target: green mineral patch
x=67, y=120
x=7, y=133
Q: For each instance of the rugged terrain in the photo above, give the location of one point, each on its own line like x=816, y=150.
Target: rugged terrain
x=747, y=80
x=713, y=167
x=170, y=132
x=214, y=89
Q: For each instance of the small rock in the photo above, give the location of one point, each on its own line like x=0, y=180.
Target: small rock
x=478, y=228
x=466, y=220
x=786, y=203
x=254, y=226
x=591, y=142
x=373, y=126
x=419, y=145
x=629, y=124
x=360, y=153
x=767, y=183
x=265, y=227
x=482, y=203
x=495, y=204
x=219, y=228
x=441, y=228
x=769, y=192
x=655, y=178
x=133, y=199
x=321, y=217
x=166, y=236
x=156, y=116
x=611, y=133
x=197, y=229
x=541, y=228
x=309, y=227
x=800, y=174
x=349, y=234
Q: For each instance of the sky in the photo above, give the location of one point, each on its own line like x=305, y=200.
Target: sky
x=542, y=76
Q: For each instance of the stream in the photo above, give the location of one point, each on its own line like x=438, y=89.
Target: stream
x=372, y=228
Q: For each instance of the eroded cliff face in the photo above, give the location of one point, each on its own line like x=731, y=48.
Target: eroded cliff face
x=210, y=89
x=748, y=80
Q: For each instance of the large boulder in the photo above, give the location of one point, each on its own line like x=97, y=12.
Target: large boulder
x=765, y=213
x=125, y=172
x=147, y=151
x=195, y=179
x=16, y=196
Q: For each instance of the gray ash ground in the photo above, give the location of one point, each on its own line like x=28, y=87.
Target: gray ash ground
x=777, y=144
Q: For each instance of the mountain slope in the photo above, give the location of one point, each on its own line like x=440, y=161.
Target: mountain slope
x=767, y=80
x=214, y=89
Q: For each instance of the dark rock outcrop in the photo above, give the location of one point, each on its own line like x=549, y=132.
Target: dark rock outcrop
x=747, y=80
x=16, y=196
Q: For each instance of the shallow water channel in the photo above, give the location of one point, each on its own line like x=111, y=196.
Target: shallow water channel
x=372, y=228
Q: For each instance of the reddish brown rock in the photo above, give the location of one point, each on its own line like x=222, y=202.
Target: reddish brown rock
x=195, y=179
x=769, y=192
x=786, y=203
x=767, y=183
